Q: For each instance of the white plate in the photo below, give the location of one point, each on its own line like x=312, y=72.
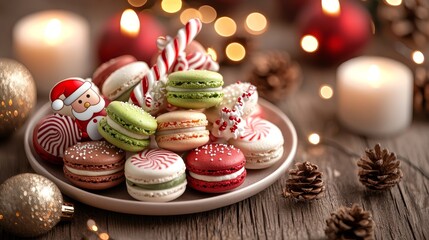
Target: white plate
x=118, y=200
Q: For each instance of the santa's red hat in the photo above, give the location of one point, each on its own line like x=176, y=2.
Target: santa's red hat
x=71, y=88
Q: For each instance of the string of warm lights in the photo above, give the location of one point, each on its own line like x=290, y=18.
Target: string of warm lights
x=92, y=226
x=255, y=23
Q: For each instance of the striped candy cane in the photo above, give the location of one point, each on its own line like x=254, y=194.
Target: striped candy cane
x=150, y=92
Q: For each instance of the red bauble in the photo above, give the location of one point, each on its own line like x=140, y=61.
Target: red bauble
x=341, y=36
x=114, y=43
x=291, y=8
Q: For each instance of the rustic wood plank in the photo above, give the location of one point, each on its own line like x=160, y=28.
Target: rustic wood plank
x=400, y=213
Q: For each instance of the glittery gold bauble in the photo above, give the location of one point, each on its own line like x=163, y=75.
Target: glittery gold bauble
x=17, y=95
x=30, y=205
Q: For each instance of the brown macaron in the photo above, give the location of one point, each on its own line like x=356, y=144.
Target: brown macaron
x=94, y=165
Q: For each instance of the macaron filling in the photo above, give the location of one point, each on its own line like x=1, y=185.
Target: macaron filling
x=226, y=177
x=128, y=126
x=106, y=129
x=123, y=130
x=93, y=173
x=180, y=130
x=160, y=186
x=267, y=156
x=175, y=89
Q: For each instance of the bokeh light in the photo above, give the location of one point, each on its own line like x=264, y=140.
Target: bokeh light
x=331, y=7
x=103, y=236
x=225, y=26
x=394, y=2
x=314, y=138
x=208, y=13
x=256, y=23
x=171, y=6
x=212, y=53
x=326, y=92
x=137, y=3
x=235, y=51
x=418, y=57
x=309, y=43
x=188, y=14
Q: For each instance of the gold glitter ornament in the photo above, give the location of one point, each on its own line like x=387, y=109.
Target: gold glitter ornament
x=17, y=95
x=31, y=205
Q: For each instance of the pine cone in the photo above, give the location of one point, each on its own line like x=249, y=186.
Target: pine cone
x=350, y=223
x=409, y=21
x=379, y=169
x=305, y=182
x=421, y=91
x=275, y=75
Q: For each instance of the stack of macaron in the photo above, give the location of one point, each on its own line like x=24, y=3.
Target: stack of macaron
x=169, y=152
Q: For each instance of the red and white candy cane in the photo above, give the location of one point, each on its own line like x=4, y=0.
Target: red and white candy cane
x=201, y=61
x=195, y=60
x=148, y=94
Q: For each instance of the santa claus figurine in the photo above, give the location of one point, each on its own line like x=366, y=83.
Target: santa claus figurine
x=87, y=106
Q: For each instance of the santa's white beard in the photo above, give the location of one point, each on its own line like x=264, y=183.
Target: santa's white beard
x=89, y=112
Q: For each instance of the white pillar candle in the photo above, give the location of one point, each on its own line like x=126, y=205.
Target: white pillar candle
x=374, y=95
x=53, y=45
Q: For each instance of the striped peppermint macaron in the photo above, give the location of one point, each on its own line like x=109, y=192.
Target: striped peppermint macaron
x=261, y=143
x=53, y=135
x=155, y=175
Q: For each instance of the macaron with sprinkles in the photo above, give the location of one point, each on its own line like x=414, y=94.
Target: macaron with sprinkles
x=215, y=168
x=127, y=126
x=261, y=143
x=194, y=89
x=94, y=165
x=155, y=175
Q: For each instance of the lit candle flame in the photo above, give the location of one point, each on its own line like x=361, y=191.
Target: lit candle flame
x=53, y=31
x=331, y=7
x=130, y=23
x=374, y=76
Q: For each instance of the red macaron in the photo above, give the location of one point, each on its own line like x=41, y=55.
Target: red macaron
x=53, y=135
x=106, y=69
x=215, y=168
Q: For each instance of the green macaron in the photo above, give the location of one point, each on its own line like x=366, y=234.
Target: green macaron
x=194, y=89
x=127, y=126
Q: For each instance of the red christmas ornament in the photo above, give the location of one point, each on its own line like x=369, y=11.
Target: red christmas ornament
x=291, y=8
x=332, y=31
x=136, y=36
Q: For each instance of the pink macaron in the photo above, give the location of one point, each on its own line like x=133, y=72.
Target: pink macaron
x=261, y=143
x=181, y=130
x=53, y=135
x=215, y=168
x=104, y=70
x=94, y=165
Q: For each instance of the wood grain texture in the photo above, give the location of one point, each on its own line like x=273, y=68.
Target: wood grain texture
x=399, y=213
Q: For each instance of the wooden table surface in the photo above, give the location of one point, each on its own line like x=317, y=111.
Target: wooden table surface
x=399, y=213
